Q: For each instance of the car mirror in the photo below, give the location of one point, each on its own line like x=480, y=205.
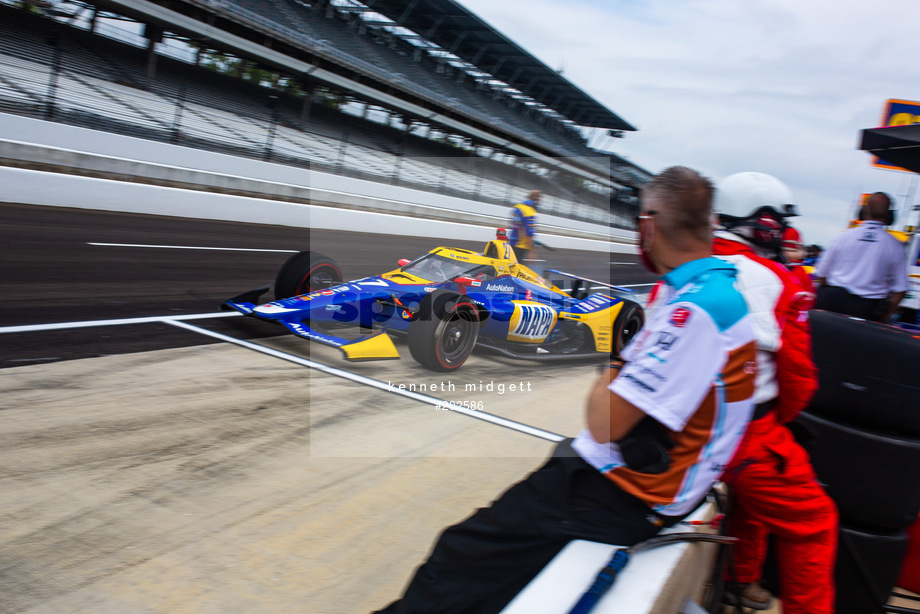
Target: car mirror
x=403, y=261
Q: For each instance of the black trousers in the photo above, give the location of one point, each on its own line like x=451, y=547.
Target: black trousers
x=479, y=565
x=840, y=300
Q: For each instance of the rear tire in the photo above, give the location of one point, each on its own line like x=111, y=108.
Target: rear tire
x=628, y=322
x=444, y=335
x=306, y=272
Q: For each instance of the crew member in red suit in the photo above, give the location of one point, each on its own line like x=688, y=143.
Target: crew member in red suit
x=774, y=487
x=793, y=255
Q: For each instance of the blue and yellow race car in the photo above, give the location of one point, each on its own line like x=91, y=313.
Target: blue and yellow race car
x=448, y=301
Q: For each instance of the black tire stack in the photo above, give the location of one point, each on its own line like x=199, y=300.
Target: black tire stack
x=862, y=432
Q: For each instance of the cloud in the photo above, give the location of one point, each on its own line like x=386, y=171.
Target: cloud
x=778, y=86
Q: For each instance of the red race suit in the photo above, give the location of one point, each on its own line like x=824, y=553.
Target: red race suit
x=775, y=490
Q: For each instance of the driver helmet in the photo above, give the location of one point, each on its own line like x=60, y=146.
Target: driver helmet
x=501, y=234
x=754, y=206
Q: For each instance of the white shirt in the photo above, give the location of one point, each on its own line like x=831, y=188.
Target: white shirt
x=865, y=260
x=690, y=368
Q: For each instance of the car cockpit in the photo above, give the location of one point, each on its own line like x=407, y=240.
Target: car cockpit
x=499, y=247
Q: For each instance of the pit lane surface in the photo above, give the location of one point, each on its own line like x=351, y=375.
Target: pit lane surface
x=213, y=479
x=156, y=475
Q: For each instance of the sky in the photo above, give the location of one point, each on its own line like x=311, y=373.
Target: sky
x=778, y=86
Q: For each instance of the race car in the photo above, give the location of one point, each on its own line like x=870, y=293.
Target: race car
x=448, y=301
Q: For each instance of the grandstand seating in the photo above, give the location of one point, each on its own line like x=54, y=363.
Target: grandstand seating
x=195, y=106
x=389, y=58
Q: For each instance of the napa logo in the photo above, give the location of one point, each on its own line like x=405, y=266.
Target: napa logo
x=531, y=322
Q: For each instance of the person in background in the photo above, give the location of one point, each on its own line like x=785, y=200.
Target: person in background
x=661, y=423
x=793, y=257
x=774, y=487
x=863, y=272
x=524, y=227
x=812, y=253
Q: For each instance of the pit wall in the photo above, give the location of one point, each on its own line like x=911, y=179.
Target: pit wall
x=45, y=163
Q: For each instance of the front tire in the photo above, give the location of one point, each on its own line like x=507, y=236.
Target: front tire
x=446, y=332
x=306, y=272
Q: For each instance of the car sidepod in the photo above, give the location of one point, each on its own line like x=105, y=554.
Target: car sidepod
x=598, y=312
x=531, y=322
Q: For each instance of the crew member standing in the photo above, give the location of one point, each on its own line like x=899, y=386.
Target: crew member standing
x=863, y=272
x=524, y=227
x=774, y=487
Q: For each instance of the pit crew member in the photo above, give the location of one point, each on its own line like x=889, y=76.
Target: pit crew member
x=773, y=483
x=686, y=379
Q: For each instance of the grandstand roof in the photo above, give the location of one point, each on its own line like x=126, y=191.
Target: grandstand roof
x=454, y=28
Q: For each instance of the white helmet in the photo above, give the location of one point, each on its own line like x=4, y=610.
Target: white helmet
x=754, y=206
x=742, y=194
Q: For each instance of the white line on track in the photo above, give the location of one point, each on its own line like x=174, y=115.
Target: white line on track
x=422, y=398
x=219, y=249
x=179, y=321
x=34, y=328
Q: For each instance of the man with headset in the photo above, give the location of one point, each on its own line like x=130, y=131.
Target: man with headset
x=863, y=272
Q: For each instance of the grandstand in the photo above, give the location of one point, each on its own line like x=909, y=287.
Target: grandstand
x=422, y=94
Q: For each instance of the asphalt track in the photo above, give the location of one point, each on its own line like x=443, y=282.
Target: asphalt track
x=66, y=265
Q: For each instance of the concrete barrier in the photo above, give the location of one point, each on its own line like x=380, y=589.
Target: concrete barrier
x=658, y=581
x=90, y=169
x=26, y=186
